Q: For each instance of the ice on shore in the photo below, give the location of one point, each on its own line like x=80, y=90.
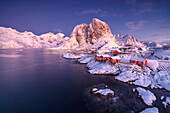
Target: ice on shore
x=85, y=59
x=134, y=74
x=71, y=55
x=103, y=68
x=150, y=110
x=147, y=96
x=155, y=74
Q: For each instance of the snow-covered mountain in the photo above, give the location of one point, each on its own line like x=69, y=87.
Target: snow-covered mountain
x=152, y=44
x=95, y=35
x=128, y=40
x=10, y=38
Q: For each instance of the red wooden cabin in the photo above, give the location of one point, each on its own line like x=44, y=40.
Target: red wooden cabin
x=98, y=57
x=92, y=50
x=114, y=59
x=102, y=57
x=115, y=52
x=105, y=57
x=138, y=61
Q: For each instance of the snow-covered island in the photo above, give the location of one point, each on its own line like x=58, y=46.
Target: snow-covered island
x=124, y=56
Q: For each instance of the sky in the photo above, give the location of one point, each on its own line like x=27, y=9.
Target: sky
x=147, y=20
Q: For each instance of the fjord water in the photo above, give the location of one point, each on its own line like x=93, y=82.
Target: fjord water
x=41, y=81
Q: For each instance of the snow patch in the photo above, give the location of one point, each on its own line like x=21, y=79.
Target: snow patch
x=150, y=110
x=71, y=55
x=147, y=96
x=103, y=91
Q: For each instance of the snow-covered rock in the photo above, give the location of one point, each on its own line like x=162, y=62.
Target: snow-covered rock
x=166, y=102
x=85, y=59
x=71, y=55
x=150, y=110
x=103, y=68
x=147, y=96
x=103, y=91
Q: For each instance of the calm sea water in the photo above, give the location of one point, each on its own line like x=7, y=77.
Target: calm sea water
x=41, y=81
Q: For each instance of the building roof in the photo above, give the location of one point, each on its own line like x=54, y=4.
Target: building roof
x=106, y=55
x=98, y=54
x=138, y=59
x=115, y=57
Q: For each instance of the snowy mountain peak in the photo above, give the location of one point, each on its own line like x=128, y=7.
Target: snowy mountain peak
x=128, y=40
x=94, y=35
x=98, y=29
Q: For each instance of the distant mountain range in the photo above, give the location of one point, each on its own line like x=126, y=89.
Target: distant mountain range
x=152, y=44
x=95, y=35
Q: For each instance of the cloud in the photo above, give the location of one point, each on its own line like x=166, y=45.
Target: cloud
x=103, y=14
x=96, y=11
x=59, y=30
x=116, y=15
x=145, y=7
x=135, y=25
x=146, y=4
x=91, y=11
x=165, y=27
x=161, y=21
x=142, y=10
x=158, y=34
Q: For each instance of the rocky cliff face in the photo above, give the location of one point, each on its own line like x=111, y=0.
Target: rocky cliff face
x=98, y=29
x=94, y=35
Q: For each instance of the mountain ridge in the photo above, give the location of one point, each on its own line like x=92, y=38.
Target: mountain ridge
x=83, y=36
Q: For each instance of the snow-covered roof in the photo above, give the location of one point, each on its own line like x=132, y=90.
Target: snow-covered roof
x=106, y=55
x=168, y=45
x=115, y=50
x=98, y=54
x=115, y=57
x=123, y=47
x=104, y=50
x=138, y=59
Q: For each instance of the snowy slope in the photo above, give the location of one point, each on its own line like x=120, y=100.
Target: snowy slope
x=128, y=40
x=10, y=38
